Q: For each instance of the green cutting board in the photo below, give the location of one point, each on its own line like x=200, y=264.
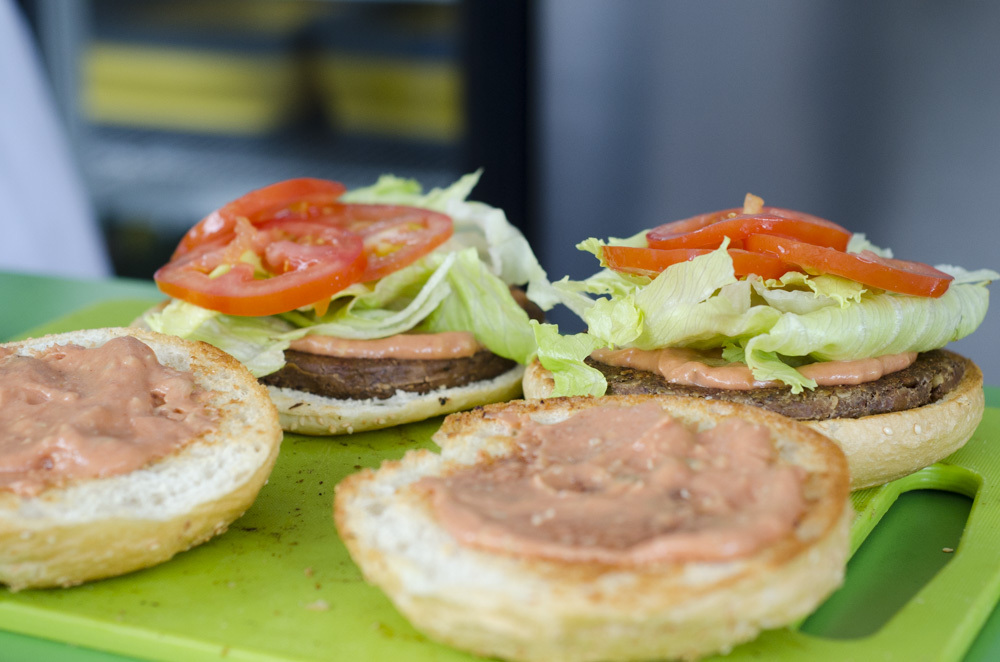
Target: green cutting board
x=279, y=585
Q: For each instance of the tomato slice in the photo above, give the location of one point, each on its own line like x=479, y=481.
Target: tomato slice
x=651, y=261
x=900, y=276
x=693, y=224
x=394, y=236
x=304, y=262
x=292, y=199
x=296, y=228
x=714, y=227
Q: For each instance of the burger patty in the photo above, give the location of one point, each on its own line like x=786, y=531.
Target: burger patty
x=360, y=379
x=926, y=380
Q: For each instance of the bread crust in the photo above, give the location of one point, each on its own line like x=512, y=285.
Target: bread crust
x=538, y=382
x=102, y=527
x=533, y=609
x=885, y=447
x=881, y=447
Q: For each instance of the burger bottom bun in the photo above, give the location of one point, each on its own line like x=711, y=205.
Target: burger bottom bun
x=881, y=447
x=101, y=527
x=884, y=447
x=520, y=608
x=308, y=413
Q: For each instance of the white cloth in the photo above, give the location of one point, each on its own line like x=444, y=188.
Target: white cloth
x=47, y=222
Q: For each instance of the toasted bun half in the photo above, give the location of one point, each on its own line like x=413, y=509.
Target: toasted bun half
x=96, y=528
x=885, y=447
x=881, y=447
x=528, y=608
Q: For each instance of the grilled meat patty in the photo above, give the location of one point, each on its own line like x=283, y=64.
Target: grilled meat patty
x=360, y=379
x=929, y=378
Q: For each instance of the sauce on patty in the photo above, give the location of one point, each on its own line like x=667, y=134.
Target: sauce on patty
x=444, y=345
x=692, y=367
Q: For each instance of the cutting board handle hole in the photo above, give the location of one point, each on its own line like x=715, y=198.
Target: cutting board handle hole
x=914, y=540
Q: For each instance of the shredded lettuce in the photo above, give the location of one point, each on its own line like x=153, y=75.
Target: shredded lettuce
x=462, y=286
x=477, y=225
x=879, y=324
x=963, y=276
x=773, y=326
x=563, y=356
x=396, y=303
x=480, y=302
x=795, y=292
x=259, y=343
x=859, y=242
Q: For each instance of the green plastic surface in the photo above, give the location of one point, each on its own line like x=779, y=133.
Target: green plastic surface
x=279, y=584
x=941, y=621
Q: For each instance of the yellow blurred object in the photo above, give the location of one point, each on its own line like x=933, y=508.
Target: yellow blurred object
x=243, y=67
x=191, y=90
x=411, y=98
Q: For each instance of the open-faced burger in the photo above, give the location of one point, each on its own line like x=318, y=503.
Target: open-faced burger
x=361, y=309
x=786, y=311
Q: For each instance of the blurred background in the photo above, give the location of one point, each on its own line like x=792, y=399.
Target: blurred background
x=589, y=117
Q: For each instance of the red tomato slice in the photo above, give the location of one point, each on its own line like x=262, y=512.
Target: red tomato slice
x=394, y=236
x=693, y=224
x=867, y=268
x=651, y=261
x=307, y=261
x=803, y=227
x=284, y=226
x=292, y=199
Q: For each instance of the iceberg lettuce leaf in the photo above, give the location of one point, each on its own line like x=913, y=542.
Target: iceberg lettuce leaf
x=480, y=302
x=700, y=304
x=616, y=321
x=963, y=276
x=259, y=343
x=396, y=304
x=859, y=242
x=774, y=326
x=563, y=356
x=444, y=292
x=477, y=225
x=462, y=286
x=799, y=293
x=879, y=324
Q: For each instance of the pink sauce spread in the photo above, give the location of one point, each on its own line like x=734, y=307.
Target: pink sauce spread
x=445, y=345
x=74, y=413
x=625, y=486
x=696, y=368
